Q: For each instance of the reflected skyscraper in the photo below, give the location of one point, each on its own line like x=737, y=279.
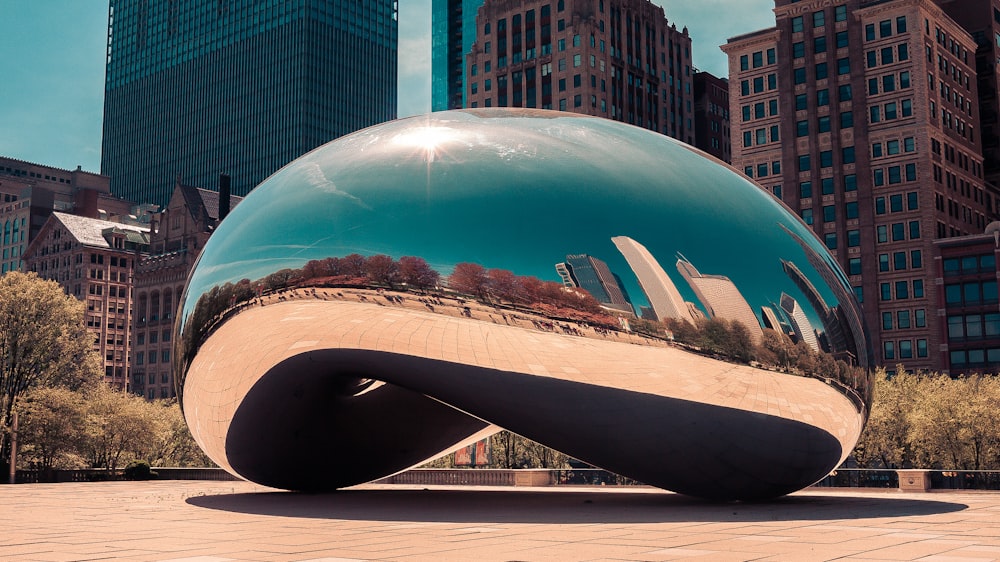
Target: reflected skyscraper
x=720, y=297
x=801, y=325
x=594, y=276
x=770, y=317
x=453, y=25
x=660, y=290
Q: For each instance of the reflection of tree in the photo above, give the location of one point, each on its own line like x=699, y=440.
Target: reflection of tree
x=415, y=272
x=469, y=278
x=381, y=270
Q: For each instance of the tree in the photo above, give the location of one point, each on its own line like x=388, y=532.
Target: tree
x=416, y=273
x=172, y=444
x=117, y=422
x=381, y=270
x=51, y=424
x=469, y=278
x=43, y=342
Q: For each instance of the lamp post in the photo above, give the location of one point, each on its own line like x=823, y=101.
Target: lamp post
x=13, y=449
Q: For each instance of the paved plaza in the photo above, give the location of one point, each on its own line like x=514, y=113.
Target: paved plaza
x=220, y=521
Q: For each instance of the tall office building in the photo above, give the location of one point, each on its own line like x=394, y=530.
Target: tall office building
x=862, y=115
x=195, y=89
x=594, y=276
x=453, y=30
x=711, y=115
x=619, y=59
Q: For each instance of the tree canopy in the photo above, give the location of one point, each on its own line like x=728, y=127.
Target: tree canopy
x=43, y=342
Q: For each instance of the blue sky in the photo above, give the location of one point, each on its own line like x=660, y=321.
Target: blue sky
x=52, y=67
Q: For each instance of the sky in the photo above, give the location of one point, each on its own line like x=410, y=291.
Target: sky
x=52, y=67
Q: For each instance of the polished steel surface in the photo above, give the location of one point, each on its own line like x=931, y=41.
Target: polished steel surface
x=593, y=286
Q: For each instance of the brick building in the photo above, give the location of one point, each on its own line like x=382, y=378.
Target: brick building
x=94, y=261
x=863, y=117
x=618, y=59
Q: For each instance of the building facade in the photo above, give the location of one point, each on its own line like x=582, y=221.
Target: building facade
x=862, y=116
x=618, y=59
x=240, y=87
x=453, y=30
x=94, y=260
x=31, y=192
x=594, y=276
x=981, y=18
x=177, y=235
x=968, y=308
x=711, y=115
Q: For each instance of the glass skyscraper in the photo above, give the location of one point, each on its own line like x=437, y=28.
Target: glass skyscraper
x=453, y=24
x=198, y=88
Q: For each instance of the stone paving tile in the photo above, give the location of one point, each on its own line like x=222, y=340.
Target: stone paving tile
x=212, y=522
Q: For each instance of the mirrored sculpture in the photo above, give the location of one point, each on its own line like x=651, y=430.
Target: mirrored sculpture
x=596, y=287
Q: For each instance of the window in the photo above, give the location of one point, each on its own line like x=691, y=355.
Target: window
x=885, y=291
x=758, y=59
x=819, y=44
x=744, y=62
x=846, y=119
x=826, y=159
x=875, y=114
x=880, y=205
x=807, y=216
x=882, y=233
x=854, y=266
x=903, y=52
x=842, y=39
x=903, y=319
x=772, y=107
x=801, y=102
x=886, y=320
x=870, y=32
x=840, y=13
x=901, y=24
x=914, y=230
x=899, y=261
x=829, y=213
x=916, y=259
x=918, y=288
x=843, y=66
x=905, y=349
x=902, y=290
x=770, y=56
x=822, y=97
x=898, y=232
x=827, y=186
x=799, y=76
x=844, y=92
x=885, y=28
x=847, y=155
x=919, y=318
x=805, y=190
x=850, y=182
x=890, y=110
x=802, y=128
x=853, y=238
x=870, y=59
x=851, y=209
x=798, y=50
x=872, y=86
x=797, y=24
x=887, y=55
x=821, y=71
x=830, y=239
x=819, y=19
x=804, y=165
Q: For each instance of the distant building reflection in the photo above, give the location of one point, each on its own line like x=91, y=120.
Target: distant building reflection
x=661, y=293
x=800, y=322
x=594, y=276
x=720, y=297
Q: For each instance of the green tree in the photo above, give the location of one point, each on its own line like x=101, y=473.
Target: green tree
x=172, y=444
x=118, y=423
x=43, y=342
x=51, y=422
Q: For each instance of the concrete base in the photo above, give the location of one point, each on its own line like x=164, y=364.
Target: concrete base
x=914, y=480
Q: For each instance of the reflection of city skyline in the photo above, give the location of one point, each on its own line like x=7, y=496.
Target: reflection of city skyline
x=594, y=276
x=720, y=297
x=661, y=293
x=800, y=323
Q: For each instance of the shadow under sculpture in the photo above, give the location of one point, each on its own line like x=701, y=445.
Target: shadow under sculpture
x=596, y=287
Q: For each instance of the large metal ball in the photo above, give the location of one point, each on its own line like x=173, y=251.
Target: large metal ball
x=596, y=287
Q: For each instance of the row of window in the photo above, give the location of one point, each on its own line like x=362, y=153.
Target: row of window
x=823, y=97
x=965, y=265
x=849, y=183
x=885, y=28
x=899, y=261
x=895, y=203
x=890, y=111
x=821, y=71
x=758, y=84
x=888, y=83
x=830, y=213
x=826, y=159
x=892, y=175
x=973, y=326
x=972, y=293
x=897, y=231
x=904, y=348
x=841, y=41
x=887, y=55
x=901, y=290
x=759, y=137
x=758, y=59
x=759, y=110
x=892, y=147
x=819, y=19
x=974, y=357
x=164, y=356
x=902, y=320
